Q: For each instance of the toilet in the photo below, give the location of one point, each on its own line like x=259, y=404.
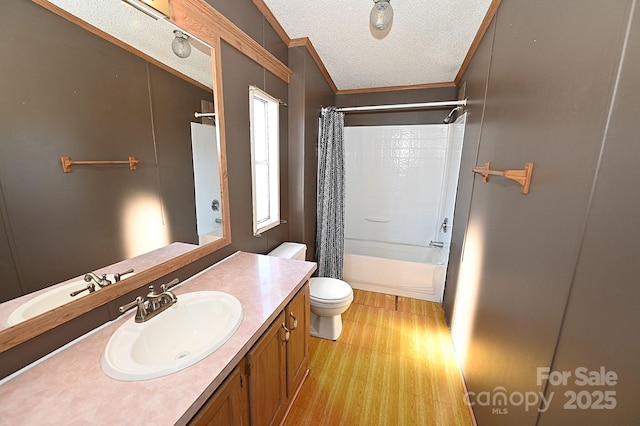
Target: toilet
x=329, y=297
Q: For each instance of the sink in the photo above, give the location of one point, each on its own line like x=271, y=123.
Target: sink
x=193, y=328
x=57, y=296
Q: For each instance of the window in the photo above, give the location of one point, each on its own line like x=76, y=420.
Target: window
x=265, y=169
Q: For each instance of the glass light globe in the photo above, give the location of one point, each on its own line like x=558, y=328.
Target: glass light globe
x=180, y=44
x=381, y=15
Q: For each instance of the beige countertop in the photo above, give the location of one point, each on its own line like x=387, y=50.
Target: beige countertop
x=70, y=388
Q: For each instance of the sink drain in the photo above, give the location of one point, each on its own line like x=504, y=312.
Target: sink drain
x=182, y=355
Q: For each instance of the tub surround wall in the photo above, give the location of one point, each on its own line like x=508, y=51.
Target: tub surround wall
x=395, y=177
x=545, y=280
x=243, y=275
x=450, y=185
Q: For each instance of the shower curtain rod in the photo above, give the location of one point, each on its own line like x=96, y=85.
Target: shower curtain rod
x=443, y=104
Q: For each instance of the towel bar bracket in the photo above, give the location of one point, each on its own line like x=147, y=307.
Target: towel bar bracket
x=523, y=177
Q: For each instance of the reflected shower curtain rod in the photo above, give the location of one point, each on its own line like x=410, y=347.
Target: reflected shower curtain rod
x=442, y=104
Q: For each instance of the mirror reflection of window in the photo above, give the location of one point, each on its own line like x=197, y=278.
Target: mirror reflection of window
x=265, y=168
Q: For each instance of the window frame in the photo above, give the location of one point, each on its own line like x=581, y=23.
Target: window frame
x=271, y=131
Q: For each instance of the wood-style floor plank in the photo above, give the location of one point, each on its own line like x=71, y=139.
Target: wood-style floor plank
x=393, y=364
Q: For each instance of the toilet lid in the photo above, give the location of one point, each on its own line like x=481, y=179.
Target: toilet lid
x=329, y=289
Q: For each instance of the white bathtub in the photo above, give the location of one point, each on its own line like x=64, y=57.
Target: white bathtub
x=398, y=269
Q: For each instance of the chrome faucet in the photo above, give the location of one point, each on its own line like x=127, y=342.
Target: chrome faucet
x=154, y=303
x=438, y=244
x=102, y=280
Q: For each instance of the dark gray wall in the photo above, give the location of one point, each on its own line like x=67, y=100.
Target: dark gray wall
x=540, y=89
x=8, y=270
x=474, y=88
x=238, y=72
x=602, y=318
x=68, y=92
x=246, y=16
x=307, y=92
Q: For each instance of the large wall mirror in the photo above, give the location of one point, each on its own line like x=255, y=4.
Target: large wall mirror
x=73, y=89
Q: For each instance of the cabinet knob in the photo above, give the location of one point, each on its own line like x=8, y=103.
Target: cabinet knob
x=294, y=325
x=287, y=333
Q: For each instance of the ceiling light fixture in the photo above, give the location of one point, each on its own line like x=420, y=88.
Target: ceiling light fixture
x=381, y=15
x=180, y=44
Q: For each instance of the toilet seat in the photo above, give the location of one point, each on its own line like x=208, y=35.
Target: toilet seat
x=329, y=291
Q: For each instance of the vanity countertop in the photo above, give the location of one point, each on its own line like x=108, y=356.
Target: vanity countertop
x=70, y=387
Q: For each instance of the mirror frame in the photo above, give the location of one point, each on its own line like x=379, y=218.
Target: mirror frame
x=24, y=331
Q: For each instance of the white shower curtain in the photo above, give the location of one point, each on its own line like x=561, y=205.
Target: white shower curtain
x=330, y=201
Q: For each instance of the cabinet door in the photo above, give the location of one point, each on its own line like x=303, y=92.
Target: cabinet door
x=297, y=319
x=266, y=372
x=227, y=406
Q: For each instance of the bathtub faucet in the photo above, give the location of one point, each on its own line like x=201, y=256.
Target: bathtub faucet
x=438, y=244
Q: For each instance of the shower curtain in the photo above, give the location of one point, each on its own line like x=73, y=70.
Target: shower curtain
x=330, y=200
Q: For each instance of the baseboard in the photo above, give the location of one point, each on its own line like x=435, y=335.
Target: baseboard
x=464, y=382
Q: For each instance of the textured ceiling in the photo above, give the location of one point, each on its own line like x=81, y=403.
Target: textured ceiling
x=150, y=36
x=426, y=44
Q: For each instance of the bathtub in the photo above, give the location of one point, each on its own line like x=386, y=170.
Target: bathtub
x=397, y=269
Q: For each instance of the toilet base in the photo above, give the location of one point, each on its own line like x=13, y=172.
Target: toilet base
x=328, y=328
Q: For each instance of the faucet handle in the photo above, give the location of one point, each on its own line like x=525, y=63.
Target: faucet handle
x=124, y=308
x=174, y=282
x=118, y=275
x=91, y=287
x=140, y=313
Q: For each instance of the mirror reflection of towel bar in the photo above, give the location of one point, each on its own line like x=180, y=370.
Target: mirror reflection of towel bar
x=211, y=115
x=377, y=219
x=67, y=163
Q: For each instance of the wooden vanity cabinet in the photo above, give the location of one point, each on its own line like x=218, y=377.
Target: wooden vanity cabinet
x=298, y=321
x=228, y=405
x=261, y=388
x=266, y=375
x=277, y=364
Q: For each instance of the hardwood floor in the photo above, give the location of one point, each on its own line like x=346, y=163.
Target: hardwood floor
x=393, y=364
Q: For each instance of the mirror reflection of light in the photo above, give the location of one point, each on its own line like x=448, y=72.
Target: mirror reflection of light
x=143, y=225
x=467, y=293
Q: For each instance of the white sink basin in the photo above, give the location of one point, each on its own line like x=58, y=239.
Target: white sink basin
x=194, y=327
x=57, y=296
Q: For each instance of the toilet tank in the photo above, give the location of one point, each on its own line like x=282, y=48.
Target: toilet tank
x=294, y=251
